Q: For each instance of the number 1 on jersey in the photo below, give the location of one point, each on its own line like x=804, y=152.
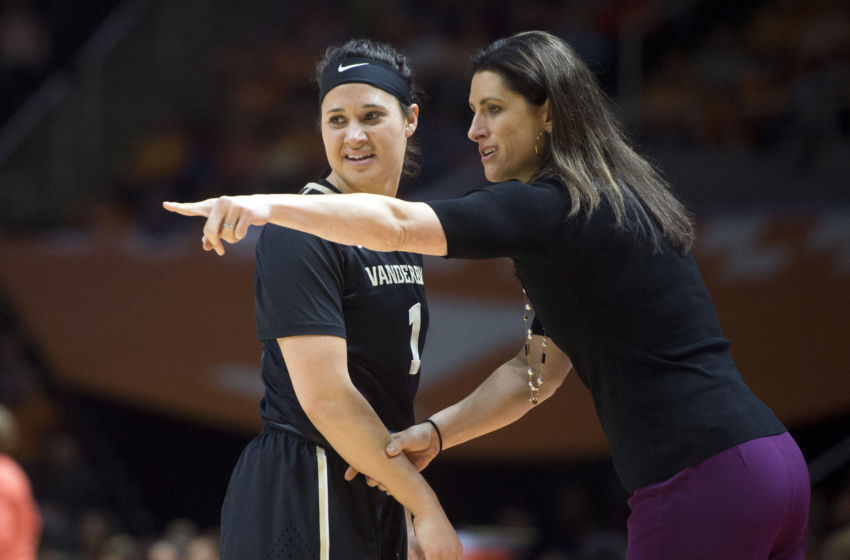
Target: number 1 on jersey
x=414, y=318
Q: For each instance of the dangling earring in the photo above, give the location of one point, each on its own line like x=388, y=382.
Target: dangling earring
x=536, y=141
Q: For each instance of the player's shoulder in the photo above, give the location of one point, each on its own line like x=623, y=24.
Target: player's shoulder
x=386, y=257
x=281, y=242
x=274, y=234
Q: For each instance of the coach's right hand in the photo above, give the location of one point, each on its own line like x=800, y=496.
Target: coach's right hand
x=419, y=444
x=228, y=217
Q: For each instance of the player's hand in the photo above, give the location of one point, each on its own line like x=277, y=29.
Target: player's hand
x=418, y=442
x=228, y=217
x=436, y=537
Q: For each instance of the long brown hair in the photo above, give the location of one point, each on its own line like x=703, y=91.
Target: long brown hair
x=587, y=147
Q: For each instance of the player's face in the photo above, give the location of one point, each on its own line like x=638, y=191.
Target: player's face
x=365, y=134
x=505, y=127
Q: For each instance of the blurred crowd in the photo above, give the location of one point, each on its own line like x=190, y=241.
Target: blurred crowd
x=781, y=75
x=716, y=78
x=751, y=78
x=38, y=37
x=746, y=77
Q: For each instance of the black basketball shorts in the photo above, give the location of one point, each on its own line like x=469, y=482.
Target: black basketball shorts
x=288, y=499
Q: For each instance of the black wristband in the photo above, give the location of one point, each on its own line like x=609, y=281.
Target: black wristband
x=436, y=429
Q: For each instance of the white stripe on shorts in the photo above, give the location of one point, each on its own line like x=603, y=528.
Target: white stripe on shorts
x=324, y=529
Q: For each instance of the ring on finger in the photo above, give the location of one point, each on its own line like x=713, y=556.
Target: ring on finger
x=227, y=226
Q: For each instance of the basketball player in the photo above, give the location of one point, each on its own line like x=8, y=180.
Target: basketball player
x=342, y=330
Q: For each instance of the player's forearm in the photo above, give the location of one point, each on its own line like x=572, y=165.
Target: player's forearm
x=376, y=222
x=353, y=429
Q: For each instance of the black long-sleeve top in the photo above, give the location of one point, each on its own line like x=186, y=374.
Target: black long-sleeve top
x=639, y=325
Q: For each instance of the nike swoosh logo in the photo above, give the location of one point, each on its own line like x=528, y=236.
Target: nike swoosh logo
x=342, y=68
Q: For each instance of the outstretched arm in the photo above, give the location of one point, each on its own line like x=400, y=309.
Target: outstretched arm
x=380, y=223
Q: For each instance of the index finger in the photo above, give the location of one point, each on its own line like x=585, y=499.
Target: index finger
x=189, y=208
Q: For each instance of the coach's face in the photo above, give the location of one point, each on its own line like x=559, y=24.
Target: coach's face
x=365, y=134
x=506, y=127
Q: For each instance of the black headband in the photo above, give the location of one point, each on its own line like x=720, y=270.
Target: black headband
x=365, y=71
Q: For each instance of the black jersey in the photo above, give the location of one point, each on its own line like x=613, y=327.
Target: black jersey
x=639, y=326
x=376, y=301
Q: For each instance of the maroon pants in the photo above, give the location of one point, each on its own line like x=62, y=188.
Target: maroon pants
x=749, y=502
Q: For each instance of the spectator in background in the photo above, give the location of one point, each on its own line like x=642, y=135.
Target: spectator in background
x=817, y=78
x=203, y=547
x=837, y=546
x=25, y=48
x=670, y=102
x=720, y=66
x=20, y=521
x=163, y=549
